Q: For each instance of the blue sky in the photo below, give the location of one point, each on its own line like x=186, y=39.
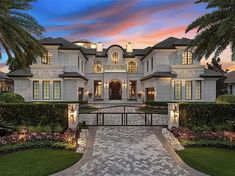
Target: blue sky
x=143, y=22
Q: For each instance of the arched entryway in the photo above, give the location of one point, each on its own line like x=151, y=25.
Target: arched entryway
x=115, y=90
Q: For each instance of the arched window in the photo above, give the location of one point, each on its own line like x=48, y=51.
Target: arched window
x=131, y=68
x=98, y=67
x=115, y=57
x=187, y=58
x=47, y=58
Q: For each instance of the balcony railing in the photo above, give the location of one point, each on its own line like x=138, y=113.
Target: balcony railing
x=115, y=68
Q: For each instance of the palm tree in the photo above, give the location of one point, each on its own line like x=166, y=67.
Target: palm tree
x=19, y=32
x=215, y=30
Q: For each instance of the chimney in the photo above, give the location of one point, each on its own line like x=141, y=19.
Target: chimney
x=99, y=47
x=129, y=47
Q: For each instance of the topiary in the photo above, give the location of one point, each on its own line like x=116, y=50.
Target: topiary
x=11, y=98
x=225, y=99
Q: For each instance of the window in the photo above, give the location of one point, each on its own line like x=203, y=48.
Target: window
x=57, y=90
x=78, y=63
x=97, y=89
x=147, y=66
x=80, y=93
x=132, y=89
x=131, y=68
x=97, y=67
x=150, y=94
x=82, y=66
x=178, y=90
x=35, y=90
x=230, y=89
x=46, y=90
x=187, y=58
x=47, y=58
x=151, y=63
x=115, y=57
x=198, y=88
x=188, y=90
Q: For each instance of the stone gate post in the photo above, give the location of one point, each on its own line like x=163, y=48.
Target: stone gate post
x=173, y=115
x=73, y=113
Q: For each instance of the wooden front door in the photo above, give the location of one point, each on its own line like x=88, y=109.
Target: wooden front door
x=115, y=91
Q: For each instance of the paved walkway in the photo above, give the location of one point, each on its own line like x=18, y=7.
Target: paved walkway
x=128, y=151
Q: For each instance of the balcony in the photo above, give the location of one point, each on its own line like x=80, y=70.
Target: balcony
x=115, y=68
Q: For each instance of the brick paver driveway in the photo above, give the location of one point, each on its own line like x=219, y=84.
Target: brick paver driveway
x=129, y=151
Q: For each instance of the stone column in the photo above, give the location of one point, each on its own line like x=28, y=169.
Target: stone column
x=173, y=115
x=73, y=112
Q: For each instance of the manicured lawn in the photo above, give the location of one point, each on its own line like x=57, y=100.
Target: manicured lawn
x=37, y=162
x=213, y=161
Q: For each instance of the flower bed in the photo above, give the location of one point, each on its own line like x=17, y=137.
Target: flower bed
x=68, y=136
x=188, y=137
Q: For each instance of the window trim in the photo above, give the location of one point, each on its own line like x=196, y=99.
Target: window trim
x=54, y=90
x=43, y=90
x=200, y=97
x=133, y=68
x=180, y=90
x=186, y=62
x=115, y=61
x=191, y=90
x=37, y=90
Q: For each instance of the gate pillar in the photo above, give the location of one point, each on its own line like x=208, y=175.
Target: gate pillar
x=173, y=115
x=73, y=111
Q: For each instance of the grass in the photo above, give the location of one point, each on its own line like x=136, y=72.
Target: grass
x=213, y=161
x=37, y=162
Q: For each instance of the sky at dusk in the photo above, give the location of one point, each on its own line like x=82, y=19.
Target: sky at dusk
x=142, y=22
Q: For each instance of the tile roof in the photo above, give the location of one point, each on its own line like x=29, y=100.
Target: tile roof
x=3, y=76
x=158, y=75
x=72, y=75
x=230, y=77
x=166, y=44
x=182, y=42
x=21, y=73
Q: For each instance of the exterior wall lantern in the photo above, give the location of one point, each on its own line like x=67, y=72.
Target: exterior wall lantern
x=106, y=84
x=124, y=84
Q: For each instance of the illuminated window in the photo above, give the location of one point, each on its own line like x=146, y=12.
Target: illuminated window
x=187, y=58
x=132, y=89
x=57, y=90
x=132, y=67
x=97, y=89
x=35, y=90
x=115, y=57
x=150, y=94
x=47, y=58
x=46, y=90
x=178, y=90
x=198, y=89
x=98, y=67
x=188, y=90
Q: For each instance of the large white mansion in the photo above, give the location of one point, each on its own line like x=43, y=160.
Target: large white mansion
x=81, y=70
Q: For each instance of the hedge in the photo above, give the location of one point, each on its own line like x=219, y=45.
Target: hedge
x=11, y=97
x=192, y=115
x=157, y=103
x=35, y=114
x=225, y=99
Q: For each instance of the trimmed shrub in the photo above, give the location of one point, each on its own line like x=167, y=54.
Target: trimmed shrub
x=35, y=114
x=199, y=115
x=225, y=99
x=157, y=103
x=11, y=98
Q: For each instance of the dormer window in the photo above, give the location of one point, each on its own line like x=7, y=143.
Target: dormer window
x=187, y=58
x=47, y=58
x=115, y=57
x=131, y=68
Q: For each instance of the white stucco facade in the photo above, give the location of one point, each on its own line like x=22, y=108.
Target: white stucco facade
x=107, y=75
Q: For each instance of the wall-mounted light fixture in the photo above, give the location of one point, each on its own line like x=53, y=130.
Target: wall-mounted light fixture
x=106, y=84
x=124, y=84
